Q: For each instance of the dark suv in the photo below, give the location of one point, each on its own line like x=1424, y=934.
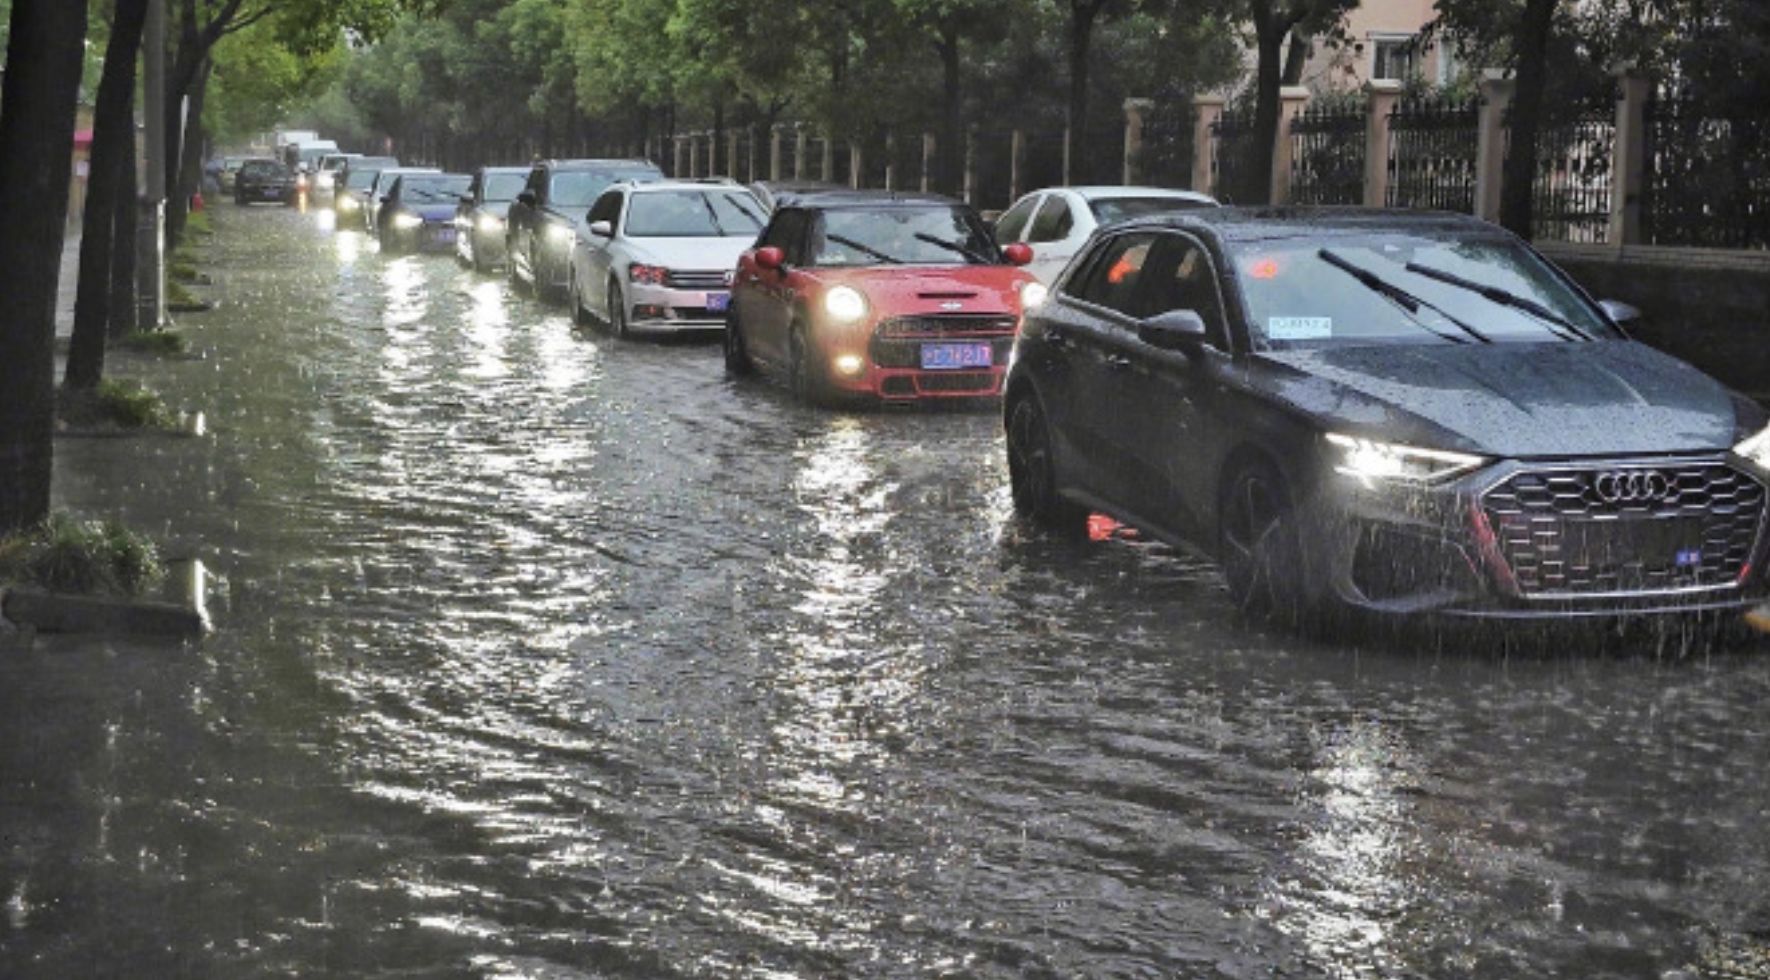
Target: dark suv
x=1397, y=412
x=263, y=179
x=542, y=222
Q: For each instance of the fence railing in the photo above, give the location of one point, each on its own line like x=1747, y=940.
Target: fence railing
x=1572, y=188
x=1327, y=155
x=1707, y=176
x=1232, y=153
x=1432, y=154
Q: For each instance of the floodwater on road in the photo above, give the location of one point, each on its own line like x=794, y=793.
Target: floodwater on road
x=541, y=654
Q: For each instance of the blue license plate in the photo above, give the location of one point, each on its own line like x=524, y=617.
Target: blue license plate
x=717, y=302
x=953, y=357
x=442, y=236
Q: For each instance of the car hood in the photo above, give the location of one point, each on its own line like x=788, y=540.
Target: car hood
x=935, y=289
x=692, y=254
x=1514, y=400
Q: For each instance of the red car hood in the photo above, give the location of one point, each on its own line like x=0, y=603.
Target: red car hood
x=935, y=289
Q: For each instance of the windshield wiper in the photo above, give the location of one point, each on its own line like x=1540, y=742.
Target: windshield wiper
x=712, y=216
x=1502, y=297
x=875, y=253
x=1402, y=298
x=952, y=247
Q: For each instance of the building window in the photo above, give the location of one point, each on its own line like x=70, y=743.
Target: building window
x=1394, y=58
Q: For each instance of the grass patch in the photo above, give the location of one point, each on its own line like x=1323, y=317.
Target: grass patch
x=198, y=223
x=82, y=557
x=154, y=341
x=181, y=269
x=119, y=404
x=177, y=293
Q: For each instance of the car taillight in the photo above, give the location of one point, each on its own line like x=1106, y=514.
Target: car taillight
x=651, y=275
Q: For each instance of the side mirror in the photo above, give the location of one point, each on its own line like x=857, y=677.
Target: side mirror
x=602, y=229
x=1019, y=253
x=770, y=257
x=386, y=198
x=1181, y=330
x=1619, y=312
x=526, y=199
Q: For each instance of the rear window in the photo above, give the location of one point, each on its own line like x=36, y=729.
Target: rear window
x=358, y=180
x=578, y=188
x=262, y=168
x=504, y=187
x=1119, y=208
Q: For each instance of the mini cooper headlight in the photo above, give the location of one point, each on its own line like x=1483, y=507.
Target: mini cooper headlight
x=1756, y=451
x=845, y=304
x=1032, y=294
x=406, y=222
x=1371, y=462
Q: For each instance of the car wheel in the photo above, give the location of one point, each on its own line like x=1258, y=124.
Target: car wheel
x=475, y=254
x=1032, y=473
x=737, y=358
x=1259, y=548
x=580, y=315
x=802, y=370
x=617, y=311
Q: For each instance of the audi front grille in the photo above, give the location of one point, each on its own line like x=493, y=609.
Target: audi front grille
x=1627, y=529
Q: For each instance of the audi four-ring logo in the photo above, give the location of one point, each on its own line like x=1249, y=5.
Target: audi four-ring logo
x=1632, y=486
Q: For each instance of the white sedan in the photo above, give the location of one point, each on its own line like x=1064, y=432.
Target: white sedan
x=1056, y=221
x=659, y=256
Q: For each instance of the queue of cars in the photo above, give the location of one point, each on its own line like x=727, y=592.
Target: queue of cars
x=1363, y=411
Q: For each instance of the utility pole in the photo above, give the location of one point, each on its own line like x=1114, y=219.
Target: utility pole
x=151, y=273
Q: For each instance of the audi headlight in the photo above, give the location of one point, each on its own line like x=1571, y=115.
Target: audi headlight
x=489, y=223
x=1756, y=451
x=1371, y=462
x=406, y=222
x=845, y=304
x=1032, y=294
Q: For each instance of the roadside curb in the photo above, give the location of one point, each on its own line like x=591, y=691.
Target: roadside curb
x=33, y=610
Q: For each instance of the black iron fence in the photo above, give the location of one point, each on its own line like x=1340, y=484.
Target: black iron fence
x=1166, y=159
x=1432, y=150
x=1232, y=152
x=1327, y=155
x=1571, y=191
x=1707, y=180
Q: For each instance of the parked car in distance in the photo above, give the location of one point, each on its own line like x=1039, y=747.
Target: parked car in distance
x=772, y=192
x=659, y=256
x=542, y=221
x=479, y=218
x=327, y=170
x=230, y=168
x=418, y=214
x=1055, y=222
x=262, y=179
x=378, y=188
x=1384, y=411
x=350, y=200
x=871, y=295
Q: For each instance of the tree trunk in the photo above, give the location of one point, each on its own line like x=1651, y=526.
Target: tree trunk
x=125, y=248
x=1081, y=38
x=1296, y=58
x=1517, y=184
x=189, y=161
x=952, y=121
x=113, y=127
x=1256, y=182
x=44, y=57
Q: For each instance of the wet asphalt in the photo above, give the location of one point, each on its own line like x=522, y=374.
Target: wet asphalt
x=542, y=654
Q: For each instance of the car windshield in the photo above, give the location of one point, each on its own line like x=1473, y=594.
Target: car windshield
x=358, y=180
x=694, y=214
x=578, y=188
x=504, y=187
x=1373, y=289
x=1108, y=210
x=931, y=235
x=261, y=168
x=441, y=189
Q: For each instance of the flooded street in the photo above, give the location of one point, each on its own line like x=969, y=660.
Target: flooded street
x=541, y=654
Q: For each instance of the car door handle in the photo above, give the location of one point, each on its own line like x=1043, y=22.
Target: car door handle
x=1117, y=362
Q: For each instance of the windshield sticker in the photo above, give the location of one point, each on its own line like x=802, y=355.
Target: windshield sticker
x=1300, y=327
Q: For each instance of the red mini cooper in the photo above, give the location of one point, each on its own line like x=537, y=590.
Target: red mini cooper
x=854, y=295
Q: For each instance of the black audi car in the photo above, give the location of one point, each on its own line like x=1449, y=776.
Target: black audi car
x=1397, y=412
x=263, y=179
x=540, y=225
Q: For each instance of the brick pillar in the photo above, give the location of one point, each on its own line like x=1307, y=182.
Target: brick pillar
x=732, y=136
x=1490, y=152
x=774, y=152
x=1382, y=95
x=677, y=156
x=1628, y=168
x=891, y=161
x=694, y=154
x=1206, y=110
x=1292, y=100
x=1135, y=110
x=928, y=162
x=801, y=149
x=1016, y=165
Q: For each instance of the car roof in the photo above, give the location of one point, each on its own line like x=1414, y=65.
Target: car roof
x=847, y=198
x=649, y=186
x=1271, y=223
x=596, y=164
x=1104, y=192
x=505, y=170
